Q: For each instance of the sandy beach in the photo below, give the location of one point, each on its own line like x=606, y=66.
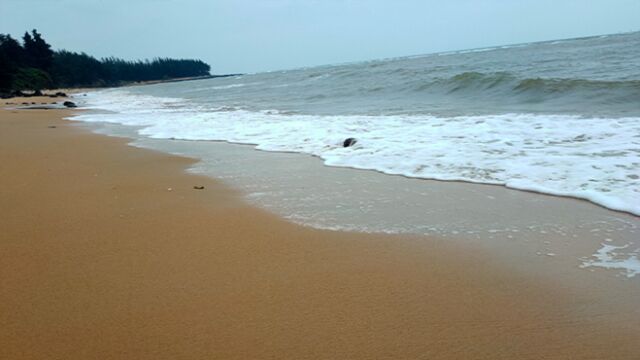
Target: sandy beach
x=109, y=252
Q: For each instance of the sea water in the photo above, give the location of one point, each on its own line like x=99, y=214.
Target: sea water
x=557, y=117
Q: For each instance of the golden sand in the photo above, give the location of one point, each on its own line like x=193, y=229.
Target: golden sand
x=108, y=252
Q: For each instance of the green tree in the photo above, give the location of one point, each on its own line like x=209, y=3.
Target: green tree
x=74, y=69
x=5, y=73
x=31, y=79
x=12, y=57
x=34, y=66
x=38, y=52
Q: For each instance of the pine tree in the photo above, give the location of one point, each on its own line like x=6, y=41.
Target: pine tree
x=12, y=49
x=39, y=53
x=12, y=57
x=5, y=72
x=34, y=66
x=29, y=49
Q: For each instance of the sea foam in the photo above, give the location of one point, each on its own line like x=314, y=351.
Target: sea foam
x=596, y=159
x=614, y=257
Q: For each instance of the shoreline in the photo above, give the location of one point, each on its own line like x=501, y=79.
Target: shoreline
x=109, y=251
x=48, y=93
x=520, y=227
x=467, y=182
x=593, y=190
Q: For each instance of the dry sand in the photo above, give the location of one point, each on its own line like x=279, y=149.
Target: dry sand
x=108, y=252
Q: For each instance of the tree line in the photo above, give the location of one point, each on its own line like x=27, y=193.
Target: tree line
x=33, y=65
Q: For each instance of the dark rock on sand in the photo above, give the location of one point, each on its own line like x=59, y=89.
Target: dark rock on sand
x=58, y=94
x=70, y=104
x=198, y=187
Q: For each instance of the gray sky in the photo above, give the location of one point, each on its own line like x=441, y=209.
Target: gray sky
x=259, y=35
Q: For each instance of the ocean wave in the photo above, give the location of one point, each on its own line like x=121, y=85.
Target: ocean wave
x=512, y=83
x=590, y=158
x=566, y=85
x=570, y=94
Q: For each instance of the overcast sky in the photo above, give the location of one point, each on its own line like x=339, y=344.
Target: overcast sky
x=259, y=35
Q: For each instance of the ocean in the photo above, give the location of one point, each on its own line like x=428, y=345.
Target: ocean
x=556, y=117
x=559, y=118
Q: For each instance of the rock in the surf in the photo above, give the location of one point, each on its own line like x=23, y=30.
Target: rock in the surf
x=349, y=142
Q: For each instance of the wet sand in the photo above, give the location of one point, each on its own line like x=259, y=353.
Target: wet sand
x=108, y=251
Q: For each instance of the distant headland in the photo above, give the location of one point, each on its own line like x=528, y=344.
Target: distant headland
x=33, y=65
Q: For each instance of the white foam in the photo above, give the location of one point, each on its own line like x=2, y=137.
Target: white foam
x=590, y=158
x=609, y=257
